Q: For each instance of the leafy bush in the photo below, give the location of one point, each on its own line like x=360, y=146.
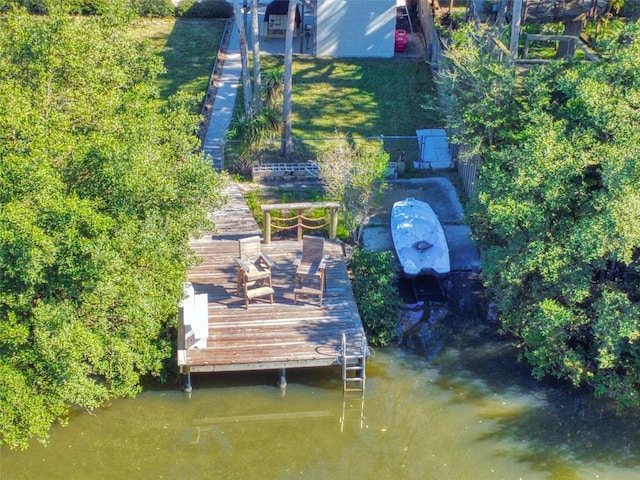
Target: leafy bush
x=80, y=7
x=87, y=7
x=155, y=8
x=376, y=295
x=33, y=6
x=352, y=173
x=205, y=9
x=102, y=237
x=183, y=7
x=144, y=8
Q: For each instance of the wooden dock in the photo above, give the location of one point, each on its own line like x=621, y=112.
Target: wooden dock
x=270, y=336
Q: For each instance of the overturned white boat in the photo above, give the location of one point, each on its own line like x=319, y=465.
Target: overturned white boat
x=419, y=239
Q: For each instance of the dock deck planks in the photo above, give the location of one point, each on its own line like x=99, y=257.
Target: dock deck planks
x=270, y=336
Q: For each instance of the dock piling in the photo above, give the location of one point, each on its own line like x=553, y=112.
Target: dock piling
x=186, y=382
x=282, y=378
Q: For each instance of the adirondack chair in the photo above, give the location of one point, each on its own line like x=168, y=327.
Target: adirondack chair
x=254, y=270
x=310, y=268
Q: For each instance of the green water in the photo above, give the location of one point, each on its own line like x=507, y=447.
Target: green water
x=467, y=414
x=452, y=403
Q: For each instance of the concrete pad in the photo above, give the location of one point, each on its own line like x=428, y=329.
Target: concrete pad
x=440, y=193
x=377, y=239
x=463, y=253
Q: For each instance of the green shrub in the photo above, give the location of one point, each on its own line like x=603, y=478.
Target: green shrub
x=375, y=293
x=89, y=7
x=205, y=9
x=184, y=6
x=252, y=131
x=155, y=8
x=32, y=6
x=77, y=7
x=253, y=199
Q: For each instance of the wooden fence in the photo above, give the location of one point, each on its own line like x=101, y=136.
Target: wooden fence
x=468, y=168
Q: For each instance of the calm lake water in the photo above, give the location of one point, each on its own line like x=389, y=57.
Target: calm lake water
x=453, y=403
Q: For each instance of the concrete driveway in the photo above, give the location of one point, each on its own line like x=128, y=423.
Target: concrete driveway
x=440, y=193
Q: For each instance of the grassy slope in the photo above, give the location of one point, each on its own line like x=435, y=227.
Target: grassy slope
x=188, y=47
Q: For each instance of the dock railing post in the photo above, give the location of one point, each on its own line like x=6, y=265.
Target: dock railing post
x=267, y=227
x=333, y=223
x=298, y=222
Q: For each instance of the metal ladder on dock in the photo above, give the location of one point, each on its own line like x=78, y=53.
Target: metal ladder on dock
x=352, y=409
x=353, y=383
x=353, y=367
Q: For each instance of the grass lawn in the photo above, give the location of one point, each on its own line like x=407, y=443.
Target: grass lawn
x=188, y=47
x=365, y=97
x=360, y=97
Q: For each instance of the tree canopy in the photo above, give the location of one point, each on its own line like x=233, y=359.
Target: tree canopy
x=101, y=186
x=558, y=220
x=352, y=173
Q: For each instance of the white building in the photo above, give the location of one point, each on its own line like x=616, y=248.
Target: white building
x=338, y=28
x=355, y=28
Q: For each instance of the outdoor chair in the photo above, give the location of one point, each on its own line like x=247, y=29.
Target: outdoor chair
x=310, y=268
x=254, y=271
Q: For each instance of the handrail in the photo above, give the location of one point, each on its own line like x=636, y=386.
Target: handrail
x=300, y=218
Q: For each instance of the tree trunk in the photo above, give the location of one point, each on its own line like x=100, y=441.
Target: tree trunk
x=257, y=71
x=567, y=49
x=515, y=29
x=287, y=140
x=502, y=14
x=244, y=56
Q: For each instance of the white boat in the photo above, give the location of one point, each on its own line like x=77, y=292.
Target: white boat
x=419, y=240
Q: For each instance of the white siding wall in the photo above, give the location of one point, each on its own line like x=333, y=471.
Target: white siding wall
x=355, y=28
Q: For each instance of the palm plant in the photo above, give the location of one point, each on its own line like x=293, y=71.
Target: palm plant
x=251, y=131
x=273, y=86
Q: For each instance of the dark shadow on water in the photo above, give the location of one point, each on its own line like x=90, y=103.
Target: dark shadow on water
x=562, y=424
x=328, y=378
x=218, y=380
x=559, y=427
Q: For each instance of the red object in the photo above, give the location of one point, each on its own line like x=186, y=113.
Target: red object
x=401, y=40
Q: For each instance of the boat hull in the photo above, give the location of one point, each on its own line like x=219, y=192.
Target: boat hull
x=419, y=240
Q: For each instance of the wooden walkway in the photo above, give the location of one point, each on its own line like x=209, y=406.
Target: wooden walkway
x=235, y=220
x=270, y=336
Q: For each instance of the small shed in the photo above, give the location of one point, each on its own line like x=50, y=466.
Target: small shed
x=275, y=19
